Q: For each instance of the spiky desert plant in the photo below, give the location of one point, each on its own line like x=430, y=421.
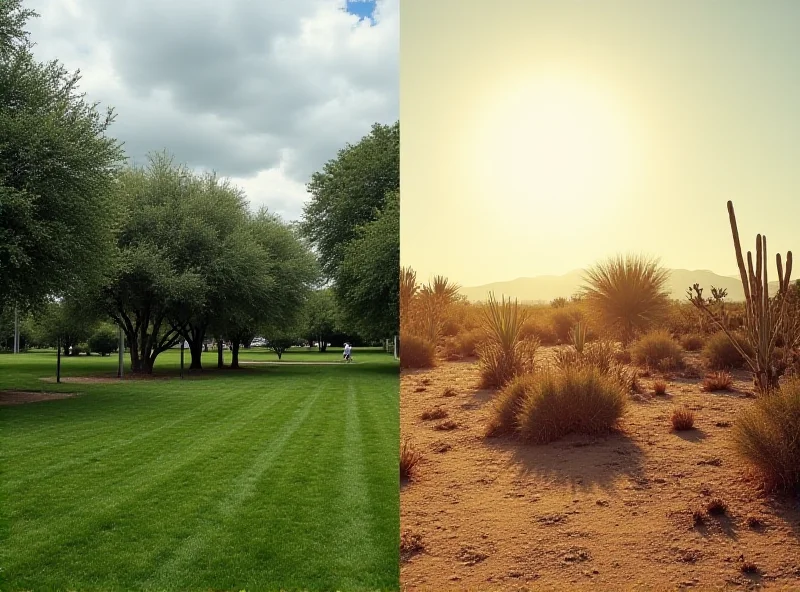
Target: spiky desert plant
x=626, y=294
x=577, y=336
x=765, y=317
x=408, y=290
x=504, y=355
x=409, y=459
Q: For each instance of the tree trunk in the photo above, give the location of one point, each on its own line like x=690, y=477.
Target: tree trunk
x=235, y=354
x=196, y=351
x=220, y=355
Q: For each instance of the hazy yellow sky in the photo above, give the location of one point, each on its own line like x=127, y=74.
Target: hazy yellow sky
x=540, y=136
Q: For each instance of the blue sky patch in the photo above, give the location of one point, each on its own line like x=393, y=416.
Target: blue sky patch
x=362, y=8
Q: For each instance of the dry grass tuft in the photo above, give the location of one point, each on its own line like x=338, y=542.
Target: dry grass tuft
x=446, y=426
x=754, y=522
x=506, y=406
x=717, y=381
x=682, y=418
x=449, y=392
x=435, y=413
x=716, y=507
x=409, y=459
x=416, y=352
x=660, y=387
x=698, y=517
x=580, y=400
x=767, y=436
x=410, y=544
x=692, y=343
x=659, y=349
x=749, y=567
x=720, y=354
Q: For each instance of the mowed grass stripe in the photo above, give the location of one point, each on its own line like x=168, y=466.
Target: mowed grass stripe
x=91, y=448
x=285, y=518
x=243, y=488
x=102, y=492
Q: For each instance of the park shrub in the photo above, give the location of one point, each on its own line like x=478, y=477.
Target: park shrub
x=571, y=400
x=767, y=436
x=720, y=354
x=104, y=341
x=657, y=348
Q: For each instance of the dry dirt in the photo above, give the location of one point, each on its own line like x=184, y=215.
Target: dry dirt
x=609, y=513
x=20, y=397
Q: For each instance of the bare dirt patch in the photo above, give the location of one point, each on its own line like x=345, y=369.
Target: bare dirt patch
x=608, y=513
x=22, y=397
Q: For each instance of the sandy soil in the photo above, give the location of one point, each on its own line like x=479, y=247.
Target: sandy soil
x=21, y=397
x=610, y=513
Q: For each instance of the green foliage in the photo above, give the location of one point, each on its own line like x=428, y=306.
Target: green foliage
x=320, y=317
x=353, y=221
x=350, y=191
x=56, y=174
x=366, y=283
x=626, y=294
x=104, y=340
x=72, y=321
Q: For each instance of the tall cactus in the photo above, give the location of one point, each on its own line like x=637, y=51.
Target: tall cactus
x=764, y=316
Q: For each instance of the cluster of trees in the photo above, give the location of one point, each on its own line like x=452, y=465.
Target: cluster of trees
x=89, y=244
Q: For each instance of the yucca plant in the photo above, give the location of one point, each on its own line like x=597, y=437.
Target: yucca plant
x=504, y=354
x=626, y=294
x=765, y=316
x=408, y=290
x=577, y=336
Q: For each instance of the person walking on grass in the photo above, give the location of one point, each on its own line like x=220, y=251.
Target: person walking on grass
x=347, y=353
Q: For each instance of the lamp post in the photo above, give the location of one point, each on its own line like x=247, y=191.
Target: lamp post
x=121, y=369
x=16, y=330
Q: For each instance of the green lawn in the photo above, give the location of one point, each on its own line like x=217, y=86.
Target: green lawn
x=264, y=478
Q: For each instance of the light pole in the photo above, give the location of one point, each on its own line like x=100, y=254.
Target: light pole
x=16, y=330
x=121, y=370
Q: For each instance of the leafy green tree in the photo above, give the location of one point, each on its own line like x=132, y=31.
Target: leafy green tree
x=104, y=340
x=367, y=283
x=320, y=318
x=57, y=169
x=149, y=281
x=70, y=321
x=354, y=198
x=350, y=191
x=273, y=299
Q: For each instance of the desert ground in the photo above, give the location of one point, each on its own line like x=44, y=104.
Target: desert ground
x=588, y=513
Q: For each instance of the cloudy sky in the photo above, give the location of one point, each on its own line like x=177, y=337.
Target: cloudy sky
x=262, y=92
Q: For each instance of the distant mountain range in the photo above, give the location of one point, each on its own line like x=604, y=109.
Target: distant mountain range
x=545, y=288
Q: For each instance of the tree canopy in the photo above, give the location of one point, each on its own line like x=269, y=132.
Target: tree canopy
x=57, y=169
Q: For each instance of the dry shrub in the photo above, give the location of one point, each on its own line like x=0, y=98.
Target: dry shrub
x=410, y=544
x=504, y=409
x=535, y=328
x=626, y=294
x=767, y=435
x=434, y=413
x=602, y=356
x=409, y=459
x=623, y=356
x=563, y=321
x=720, y=354
x=416, y=352
x=682, y=418
x=445, y=426
x=660, y=387
x=467, y=343
x=581, y=400
x=717, y=381
x=716, y=507
x=657, y=348
x=692, y=343
x=504, y=355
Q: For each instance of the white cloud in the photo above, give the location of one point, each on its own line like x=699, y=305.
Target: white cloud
x=263, y=92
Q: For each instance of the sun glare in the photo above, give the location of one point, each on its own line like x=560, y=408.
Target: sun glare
x=554, y=142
